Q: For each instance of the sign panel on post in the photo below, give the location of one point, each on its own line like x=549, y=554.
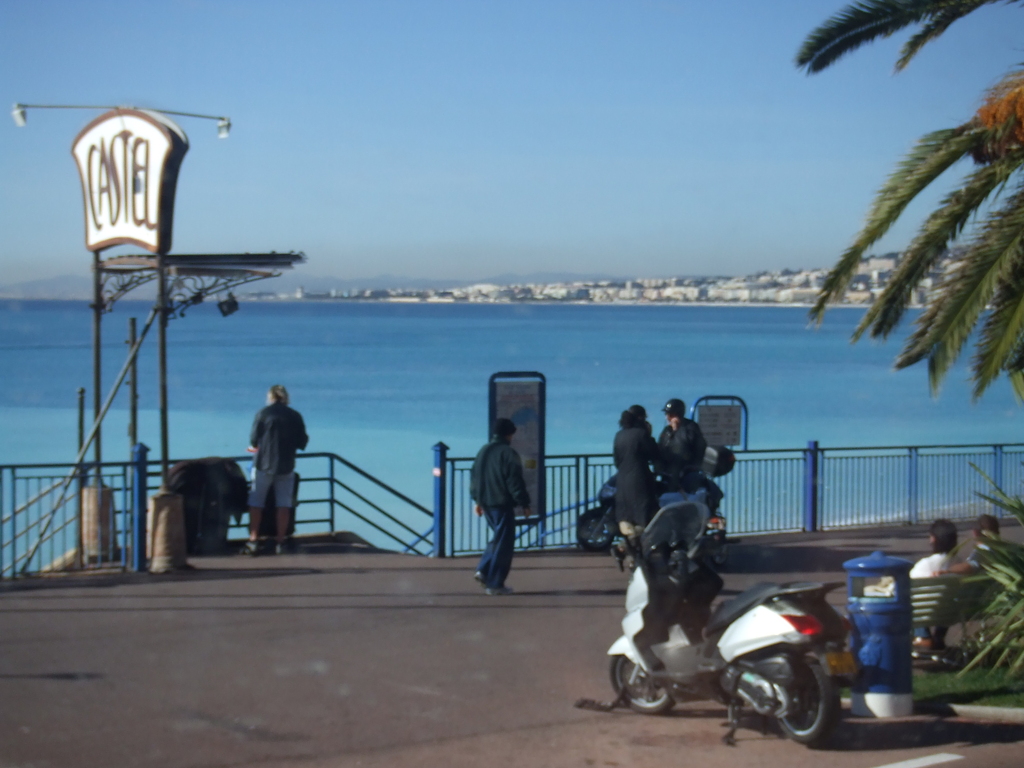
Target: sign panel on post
x=128, y=161
x=520, y=396
x=721, y=424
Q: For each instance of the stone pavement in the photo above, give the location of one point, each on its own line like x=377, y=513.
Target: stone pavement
x=355, y=658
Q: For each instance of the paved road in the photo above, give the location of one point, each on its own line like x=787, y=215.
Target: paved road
x=349, y=658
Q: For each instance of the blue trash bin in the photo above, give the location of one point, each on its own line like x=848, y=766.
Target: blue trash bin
x=878, y=601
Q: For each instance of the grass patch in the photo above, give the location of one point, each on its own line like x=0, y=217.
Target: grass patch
x=983, y=687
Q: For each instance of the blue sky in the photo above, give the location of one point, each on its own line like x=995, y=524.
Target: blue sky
x=465, y=139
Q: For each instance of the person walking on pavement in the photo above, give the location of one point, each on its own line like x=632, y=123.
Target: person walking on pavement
x=277, y=433
x=633, y=450
x=682, y=446
x=497, y=487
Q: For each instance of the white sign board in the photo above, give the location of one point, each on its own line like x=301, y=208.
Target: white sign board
x=128, y=161
x=721, y=424
x=520, y=401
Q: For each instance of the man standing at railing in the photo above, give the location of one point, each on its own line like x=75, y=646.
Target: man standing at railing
x=496, y=485
x=277, y=433
x=682, y=447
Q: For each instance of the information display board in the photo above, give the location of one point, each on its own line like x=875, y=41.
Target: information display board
x=721, y=424
x=520, y=396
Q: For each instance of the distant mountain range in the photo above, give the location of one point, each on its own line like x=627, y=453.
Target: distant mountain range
x=80, y=286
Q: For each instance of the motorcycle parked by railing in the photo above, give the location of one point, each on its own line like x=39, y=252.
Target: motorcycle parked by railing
x=778, y=649
x=598, y=531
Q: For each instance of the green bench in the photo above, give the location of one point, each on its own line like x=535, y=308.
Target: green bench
x=945, y=601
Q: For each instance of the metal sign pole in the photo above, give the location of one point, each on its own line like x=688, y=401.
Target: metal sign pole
x=133, y=392
x=162, y=354
x=97, y=391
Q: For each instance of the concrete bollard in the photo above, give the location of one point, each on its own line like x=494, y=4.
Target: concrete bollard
x=97, y=505
x=165, y=525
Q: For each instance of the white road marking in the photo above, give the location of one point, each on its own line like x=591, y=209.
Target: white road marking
x=921, y=762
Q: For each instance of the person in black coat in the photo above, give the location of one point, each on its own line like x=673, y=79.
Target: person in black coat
x=634, y=449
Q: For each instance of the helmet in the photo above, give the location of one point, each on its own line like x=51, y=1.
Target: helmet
x=675, y=407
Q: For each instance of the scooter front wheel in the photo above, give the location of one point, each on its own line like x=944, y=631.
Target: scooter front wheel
x=643, y=694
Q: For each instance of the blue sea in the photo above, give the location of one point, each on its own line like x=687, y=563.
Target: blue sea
x=381, y=383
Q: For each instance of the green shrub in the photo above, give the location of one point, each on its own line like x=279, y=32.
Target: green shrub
x=1001, y=642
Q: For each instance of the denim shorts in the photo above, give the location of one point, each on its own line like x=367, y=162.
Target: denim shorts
x=284, y=488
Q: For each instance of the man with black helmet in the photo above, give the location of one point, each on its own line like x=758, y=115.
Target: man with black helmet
x=681, y=446
x=496, y=485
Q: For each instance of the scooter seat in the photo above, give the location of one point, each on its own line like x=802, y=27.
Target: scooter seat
x=729, y=611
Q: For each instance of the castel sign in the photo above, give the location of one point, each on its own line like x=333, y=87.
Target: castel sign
x=128, y=161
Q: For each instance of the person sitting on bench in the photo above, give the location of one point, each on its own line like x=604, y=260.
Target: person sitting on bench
x=986, y=526
x=942, y=536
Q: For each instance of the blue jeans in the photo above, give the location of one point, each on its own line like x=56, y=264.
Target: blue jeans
x=496, y=560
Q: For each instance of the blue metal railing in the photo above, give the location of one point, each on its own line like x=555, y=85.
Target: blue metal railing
x=811, y=488
x=42, y=528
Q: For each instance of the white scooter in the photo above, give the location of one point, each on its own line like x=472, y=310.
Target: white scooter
x=777, y=649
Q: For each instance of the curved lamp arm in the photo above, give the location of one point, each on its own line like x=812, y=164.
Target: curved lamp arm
x=18, y=114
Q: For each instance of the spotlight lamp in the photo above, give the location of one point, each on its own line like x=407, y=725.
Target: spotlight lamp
x=228, y=306
x=18, y=114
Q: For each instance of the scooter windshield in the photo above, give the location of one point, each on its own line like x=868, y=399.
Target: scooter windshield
x=678, y=526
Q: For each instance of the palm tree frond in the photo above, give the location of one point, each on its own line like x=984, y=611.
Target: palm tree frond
x=854, y=26
x=964, y=293
x=938, y=24
x=941, y=228
x=930, y=158
x=999, y=341
x=868, y=20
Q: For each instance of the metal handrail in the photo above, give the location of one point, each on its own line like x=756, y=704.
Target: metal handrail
x=29, y=528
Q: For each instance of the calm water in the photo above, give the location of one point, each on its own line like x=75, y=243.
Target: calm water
x=381, y=383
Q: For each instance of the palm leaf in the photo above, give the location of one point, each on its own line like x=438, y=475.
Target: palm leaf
x=933, y=154
x=938, y=24
x=1002, y=330
x=941, y=227
x=856, y=25
x=963, y=294
x=865, y=21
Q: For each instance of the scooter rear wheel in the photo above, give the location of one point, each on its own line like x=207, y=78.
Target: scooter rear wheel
x=594, y=531
x=814, y=708
x=643, y=694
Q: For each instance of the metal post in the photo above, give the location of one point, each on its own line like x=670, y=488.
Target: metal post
x=997, y=475
x=133, y=391
x=811, y=486
x=912, y=486
x=331, y=481
x=162, y=354
x=440, y=470
x=79, y=543
x=97, y=389
x=140, y=494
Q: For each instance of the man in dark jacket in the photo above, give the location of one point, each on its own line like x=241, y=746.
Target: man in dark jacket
x=682, y=447
x=277, y=433
x=496, y=485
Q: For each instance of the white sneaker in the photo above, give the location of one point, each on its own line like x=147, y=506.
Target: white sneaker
x=498, y=590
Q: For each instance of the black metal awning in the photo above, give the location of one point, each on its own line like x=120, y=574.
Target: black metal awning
x=193, y=276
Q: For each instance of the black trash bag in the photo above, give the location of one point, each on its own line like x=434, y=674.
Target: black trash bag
x=268, y=520
x=212, y=489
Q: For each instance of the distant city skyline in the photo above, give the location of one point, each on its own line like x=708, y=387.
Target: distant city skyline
x=456, y=140
x=761, y=286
